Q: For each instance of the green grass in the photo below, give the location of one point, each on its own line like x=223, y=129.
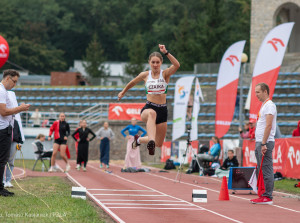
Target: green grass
x=56, y=192
x=287, y=185
x=29, y=164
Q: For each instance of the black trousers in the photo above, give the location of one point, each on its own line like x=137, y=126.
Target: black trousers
x=5, y=143
x=83, y=153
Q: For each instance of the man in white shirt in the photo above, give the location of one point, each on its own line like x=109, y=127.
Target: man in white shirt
x=264, y=141
x=10, y=78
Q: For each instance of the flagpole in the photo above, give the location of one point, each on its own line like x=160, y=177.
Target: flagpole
x=241, y=116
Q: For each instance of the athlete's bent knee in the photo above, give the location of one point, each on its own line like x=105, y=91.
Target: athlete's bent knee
x=152, y=114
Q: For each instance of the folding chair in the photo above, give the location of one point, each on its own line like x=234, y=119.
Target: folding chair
x=38, y=156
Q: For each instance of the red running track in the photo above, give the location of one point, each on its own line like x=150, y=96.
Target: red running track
x=155, y=197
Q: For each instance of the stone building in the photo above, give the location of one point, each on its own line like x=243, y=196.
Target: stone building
x=266, y=14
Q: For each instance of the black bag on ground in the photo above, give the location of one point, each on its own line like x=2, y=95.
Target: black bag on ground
x=209, y=171
x=278, y=176
x=169, y=165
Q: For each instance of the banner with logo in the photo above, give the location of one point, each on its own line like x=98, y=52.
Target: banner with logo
x=196, y=108
x=192, y=151
x=4, y=51
x=182, y=93
x=268, y=62
x=227, y=84
x=165, y=151
x=122, y=111
x=286, y=156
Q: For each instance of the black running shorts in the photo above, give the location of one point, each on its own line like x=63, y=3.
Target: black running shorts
x=160, y=109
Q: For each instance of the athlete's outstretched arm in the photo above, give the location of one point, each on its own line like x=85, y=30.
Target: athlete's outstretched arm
x=175, y=64
x=131, y=84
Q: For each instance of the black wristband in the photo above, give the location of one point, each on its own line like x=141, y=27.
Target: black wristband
x=167, y=53
x=263, y=144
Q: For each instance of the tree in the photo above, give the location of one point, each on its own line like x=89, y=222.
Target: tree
x=35, y=57
x=136, y=53
x=94, y=59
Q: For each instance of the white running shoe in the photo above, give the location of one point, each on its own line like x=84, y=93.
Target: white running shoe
x=68, y=167
x=78, y=167
x=8, y=185
x=51, y=170
x=84, y=169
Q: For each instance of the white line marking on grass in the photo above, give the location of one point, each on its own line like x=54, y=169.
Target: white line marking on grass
x=21, y=174
x=107, y=210
x=201, y=208
x=219, y=192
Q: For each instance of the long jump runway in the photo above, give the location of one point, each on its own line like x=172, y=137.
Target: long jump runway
x=155, y=197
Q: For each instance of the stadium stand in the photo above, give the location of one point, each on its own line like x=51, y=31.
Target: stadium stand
x=73, y=100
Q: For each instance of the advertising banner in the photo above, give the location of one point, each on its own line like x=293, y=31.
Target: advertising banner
x=182, y=93
x=268, y=62
x=228, y=79
x=123, y=111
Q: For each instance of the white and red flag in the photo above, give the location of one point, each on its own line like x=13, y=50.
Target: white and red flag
x=268, y=62
x=227, y=84
x=4, y=51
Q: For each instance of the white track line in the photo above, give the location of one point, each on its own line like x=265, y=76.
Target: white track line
x=201, y=208
x=121, y=190
x=141, y=200
x=107, y=210
x=218, y=192
x=132, y=195
x=147, y=204
x=188, y=209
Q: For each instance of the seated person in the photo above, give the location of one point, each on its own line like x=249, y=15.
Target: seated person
x=230, y=161
x=43, y=153
x=214, y=151
x=296, y=132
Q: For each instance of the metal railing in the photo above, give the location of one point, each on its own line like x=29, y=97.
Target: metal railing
x=94, y=115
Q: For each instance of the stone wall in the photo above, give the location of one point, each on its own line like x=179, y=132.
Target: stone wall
x=262, y=21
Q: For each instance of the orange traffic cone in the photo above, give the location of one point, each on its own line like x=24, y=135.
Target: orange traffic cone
x=224, y=194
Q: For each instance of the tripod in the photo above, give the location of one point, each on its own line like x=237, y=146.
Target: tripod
x=188, y=146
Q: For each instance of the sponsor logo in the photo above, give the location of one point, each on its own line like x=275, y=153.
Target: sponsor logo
x=181, y=91
x=277, y=159
x=117, y=110
x=274, y=42
x=197, y=90
x=231, y=59
x=294, y=156
x=219, y=122
x=133, y=111
x=249, y=156
x=3, y=48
